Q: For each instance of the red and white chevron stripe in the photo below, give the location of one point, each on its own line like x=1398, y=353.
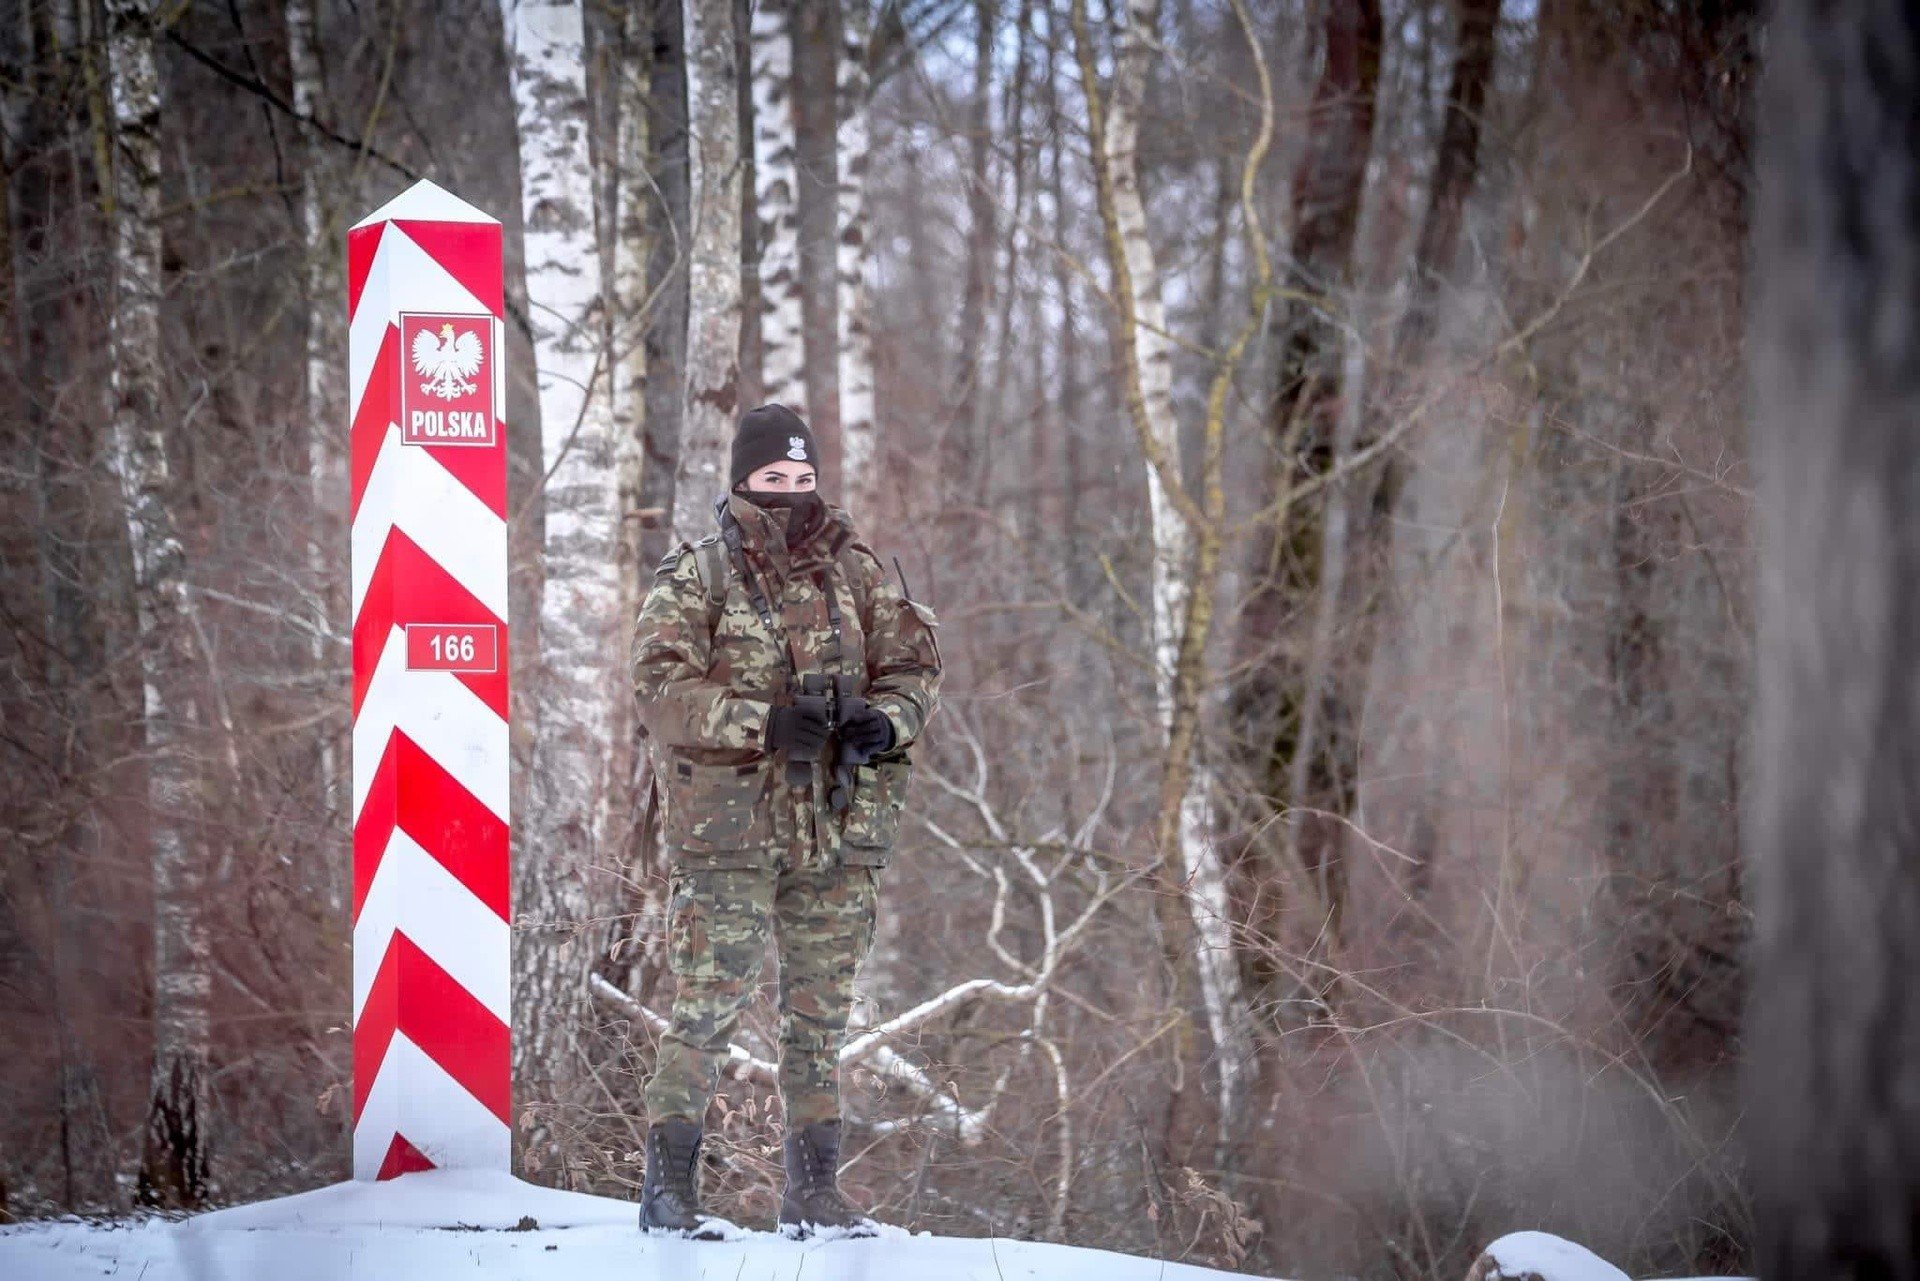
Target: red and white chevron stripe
x=431, y=935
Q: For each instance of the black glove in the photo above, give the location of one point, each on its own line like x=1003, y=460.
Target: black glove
x=801, y=730
x=865, y=732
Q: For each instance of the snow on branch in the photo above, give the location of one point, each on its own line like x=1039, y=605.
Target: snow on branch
x=868, y=1049
x=740, y=1065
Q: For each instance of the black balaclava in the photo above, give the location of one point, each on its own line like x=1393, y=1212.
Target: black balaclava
x=766, y=435
x=805, y=512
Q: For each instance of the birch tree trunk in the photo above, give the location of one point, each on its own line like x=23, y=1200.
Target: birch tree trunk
x=574, y=789
x=776, y=189
x=323, y=458
x=1147, y=360
x=173, y=1166
x=853, y=260
x=713, y=268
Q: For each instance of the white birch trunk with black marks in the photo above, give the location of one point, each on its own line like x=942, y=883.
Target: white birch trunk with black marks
x=173, y=1167
x=579, y=634
x=853, y=260
x=1207, y=900
x=776, y=190
x=713, y=266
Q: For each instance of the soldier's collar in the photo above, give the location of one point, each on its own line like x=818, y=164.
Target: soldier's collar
x=762, y=530
x=824, y=543
x=749, y=514
x=765, y=530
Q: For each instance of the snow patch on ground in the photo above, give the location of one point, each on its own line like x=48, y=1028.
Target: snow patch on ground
x=441, y=1225
x=1549, y=1257
x=1552, y=1258
x=429, y=1199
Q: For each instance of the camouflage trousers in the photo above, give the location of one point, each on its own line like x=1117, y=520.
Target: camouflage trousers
x=718, y=919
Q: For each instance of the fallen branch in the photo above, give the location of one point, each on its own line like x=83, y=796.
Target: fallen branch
x=869, y=1046
x=967, y=1124
x=740, y=1065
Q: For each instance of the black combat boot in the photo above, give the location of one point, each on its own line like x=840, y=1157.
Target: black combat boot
x=813, y=1204
x=669, y=1191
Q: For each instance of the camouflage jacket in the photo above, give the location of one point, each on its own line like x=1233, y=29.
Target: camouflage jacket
x=707, y=672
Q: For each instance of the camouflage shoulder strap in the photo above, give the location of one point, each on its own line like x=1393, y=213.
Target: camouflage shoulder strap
x=847, y=557
x=710, y=562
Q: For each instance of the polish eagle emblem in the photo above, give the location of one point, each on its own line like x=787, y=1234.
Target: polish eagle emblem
x=448, y=362
x=797, y=448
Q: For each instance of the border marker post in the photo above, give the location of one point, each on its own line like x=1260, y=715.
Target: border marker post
x=431, y=910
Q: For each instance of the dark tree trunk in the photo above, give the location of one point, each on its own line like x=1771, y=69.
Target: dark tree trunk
x=1327, y=191
x=752, y=299
x=992, y=411
x=1332, y=175
x=1070, y=466
x=1456, y=163
x=667, y=335
x=977, y=300
x=816, y=50
x=1834, y=846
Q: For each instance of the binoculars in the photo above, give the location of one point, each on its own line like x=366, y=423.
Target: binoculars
x=832, y=697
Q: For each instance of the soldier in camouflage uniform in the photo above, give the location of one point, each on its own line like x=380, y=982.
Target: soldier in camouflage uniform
x=780, y=809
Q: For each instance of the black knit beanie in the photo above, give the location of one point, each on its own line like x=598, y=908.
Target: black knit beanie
x=770, y=434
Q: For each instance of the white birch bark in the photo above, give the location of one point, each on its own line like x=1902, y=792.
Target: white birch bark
x=776, y=195
x=323, y=458
x=174, y=1160
x=579, y=603
x=853, y=261
x=713, y=266
x=1172, y=551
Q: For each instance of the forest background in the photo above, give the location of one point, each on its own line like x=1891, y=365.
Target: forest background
x=1318, y=424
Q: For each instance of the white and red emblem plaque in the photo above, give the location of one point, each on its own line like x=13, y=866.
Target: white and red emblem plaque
x=446, y=398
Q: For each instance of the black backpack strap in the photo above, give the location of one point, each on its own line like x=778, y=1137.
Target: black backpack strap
x=737, y=553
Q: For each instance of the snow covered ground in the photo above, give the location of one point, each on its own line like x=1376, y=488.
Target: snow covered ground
x=444, y=1225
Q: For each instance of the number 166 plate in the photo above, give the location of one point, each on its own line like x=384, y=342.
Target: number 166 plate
x=453, y=647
